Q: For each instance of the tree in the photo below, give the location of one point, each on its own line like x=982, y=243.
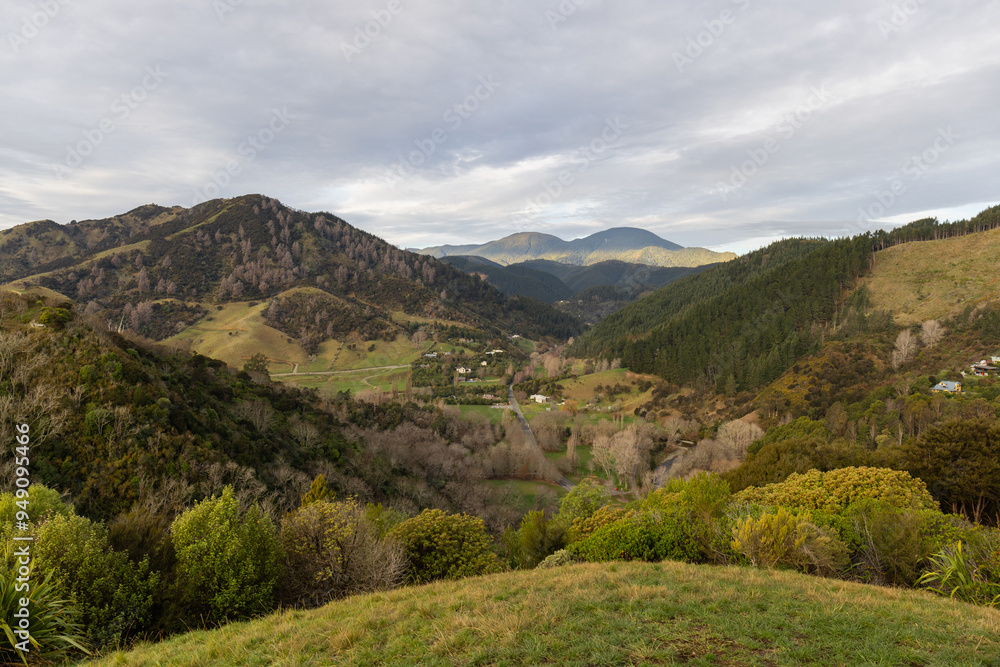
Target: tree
x=228, y=560
x=257, y=364
x=446, y=546
x=332, y=550
x=318, y=492
x=931, y=333
x=906, y=345
x=960, y=463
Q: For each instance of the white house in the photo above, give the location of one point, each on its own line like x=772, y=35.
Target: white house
x=463, y=370
x=538, y=398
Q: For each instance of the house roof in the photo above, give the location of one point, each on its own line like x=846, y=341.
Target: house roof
x=946, y=386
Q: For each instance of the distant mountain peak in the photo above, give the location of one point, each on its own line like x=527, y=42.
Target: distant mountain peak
x=627, y=244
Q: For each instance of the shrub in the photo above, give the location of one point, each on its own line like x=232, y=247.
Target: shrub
x=113, y=593
x=558, y=559
x=331, y=549
x=705, y=495
x=228, y=561
x=893, y=544
x=445, y=546
x=788, y=540
x=584, y=528
x=42, y=503
x=538, y=538
x=55, y=630
x=383, y=519
x=833, y=491
x=650, y=535
x=959, y=572
x=582, y=501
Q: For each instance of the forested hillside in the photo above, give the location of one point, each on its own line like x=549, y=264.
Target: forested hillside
x=156, y=269
x=740, y=325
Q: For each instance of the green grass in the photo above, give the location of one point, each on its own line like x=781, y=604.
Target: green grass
x=527, y=493
x=607, y=614
x=495, y=416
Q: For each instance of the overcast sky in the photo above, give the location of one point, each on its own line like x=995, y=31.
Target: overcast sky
x=723, y=124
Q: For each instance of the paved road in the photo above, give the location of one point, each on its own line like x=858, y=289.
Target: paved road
x=353, y=370
x=562, y=481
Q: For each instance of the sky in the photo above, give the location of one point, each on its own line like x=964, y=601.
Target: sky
x=724, y=124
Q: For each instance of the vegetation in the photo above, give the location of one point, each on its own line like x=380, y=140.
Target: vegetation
x=623, y=613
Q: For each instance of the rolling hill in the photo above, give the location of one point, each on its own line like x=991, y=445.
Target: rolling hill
x=609, y=614
x=158, y=271
x=622, y=243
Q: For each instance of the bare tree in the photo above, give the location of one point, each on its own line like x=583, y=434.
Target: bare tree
x=906, y=345
x=737, y=436
x=931, y=333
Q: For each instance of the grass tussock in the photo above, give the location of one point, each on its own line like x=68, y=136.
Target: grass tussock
x=607, y=614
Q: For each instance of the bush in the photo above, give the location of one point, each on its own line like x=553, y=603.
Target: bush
x=582, y=501
x=331, y=550
x=445, y=546
x=650, y=535
x=114, y=594
x=228, y=561
x=960, y=572
x=42, y=502
x=55, y=631
x=833, y=491
x=789, y=540
x=538, y=538
x=584, y=528
x=558, y=559
x=705, y=495
x=893, y=543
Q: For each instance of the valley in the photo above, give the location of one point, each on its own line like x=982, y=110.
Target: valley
x=310, y=372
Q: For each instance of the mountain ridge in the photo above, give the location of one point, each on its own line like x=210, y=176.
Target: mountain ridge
x=629, y=244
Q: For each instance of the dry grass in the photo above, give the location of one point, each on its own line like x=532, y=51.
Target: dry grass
x=935, y=279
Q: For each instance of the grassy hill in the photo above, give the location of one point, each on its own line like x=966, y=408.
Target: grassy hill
x=607, y=614
x=936, y=279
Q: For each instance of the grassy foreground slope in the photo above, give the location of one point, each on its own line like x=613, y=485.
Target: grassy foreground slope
x=608, y=614
x=936, y=279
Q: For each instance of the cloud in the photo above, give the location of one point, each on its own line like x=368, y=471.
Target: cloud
x=700, y=89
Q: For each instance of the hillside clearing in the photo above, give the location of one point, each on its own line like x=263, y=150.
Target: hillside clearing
x=608, y=614
x=935, y=279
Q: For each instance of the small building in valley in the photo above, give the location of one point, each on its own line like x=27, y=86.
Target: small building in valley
x=538, y=398
x=949, y=387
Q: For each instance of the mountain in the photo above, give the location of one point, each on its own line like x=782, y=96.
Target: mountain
x=622, y=243
x=159, y=270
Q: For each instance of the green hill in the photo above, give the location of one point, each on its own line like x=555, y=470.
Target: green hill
x=607, y=614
